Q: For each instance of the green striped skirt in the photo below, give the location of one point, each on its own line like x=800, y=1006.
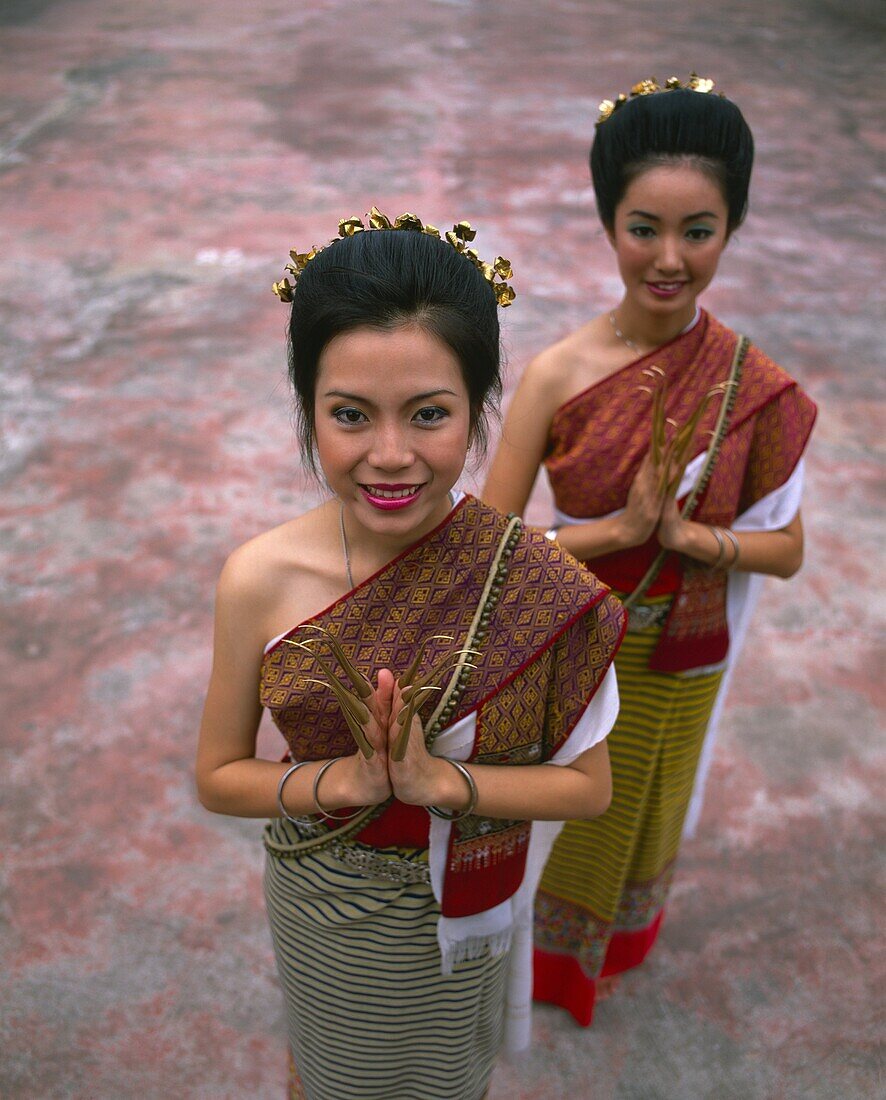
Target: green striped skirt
x=370, y=1016
x=611, y=876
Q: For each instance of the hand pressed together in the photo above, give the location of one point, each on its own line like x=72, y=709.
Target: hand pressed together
x=651, y=506
x=417, y=778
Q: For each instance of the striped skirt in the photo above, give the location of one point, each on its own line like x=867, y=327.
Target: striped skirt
x=603, y=891
x=370, y=1016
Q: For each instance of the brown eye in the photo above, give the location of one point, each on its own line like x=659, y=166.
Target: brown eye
x=430, y=414
x=349, y=416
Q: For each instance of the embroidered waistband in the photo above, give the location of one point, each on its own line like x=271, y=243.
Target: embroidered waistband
x=384, y=863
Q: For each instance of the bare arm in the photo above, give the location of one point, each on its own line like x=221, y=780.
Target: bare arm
x=777, y=553
x=579, y=790
x=523, y=440
x=230, y=780
x=537, y=792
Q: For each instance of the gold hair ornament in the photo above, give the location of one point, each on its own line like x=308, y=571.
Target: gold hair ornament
x=695, y=83
x=496, y=274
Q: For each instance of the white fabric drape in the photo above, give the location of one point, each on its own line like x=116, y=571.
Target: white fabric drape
x=510, y=923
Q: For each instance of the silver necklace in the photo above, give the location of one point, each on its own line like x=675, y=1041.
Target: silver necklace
x=346, y=550
x=344, y=545
x=624, y=339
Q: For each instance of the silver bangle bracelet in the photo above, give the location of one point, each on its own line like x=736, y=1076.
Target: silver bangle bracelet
x=551, y=534
x=457, y=815
x=721, y=544
x=735, y=546
x=321, y=771
x=280, y=786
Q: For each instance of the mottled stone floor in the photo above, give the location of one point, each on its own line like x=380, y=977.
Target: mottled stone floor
x=156, y=163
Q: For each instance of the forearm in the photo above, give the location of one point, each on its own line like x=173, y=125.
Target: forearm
x=777, y=553
x=594, y=539
x=536, y=792
x=248, y=788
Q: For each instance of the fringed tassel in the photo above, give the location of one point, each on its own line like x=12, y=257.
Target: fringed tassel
x=473, y=947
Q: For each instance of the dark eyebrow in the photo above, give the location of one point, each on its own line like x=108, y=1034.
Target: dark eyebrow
x=656, y=218
x=366, y=401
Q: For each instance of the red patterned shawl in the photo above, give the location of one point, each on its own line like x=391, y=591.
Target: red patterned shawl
x=550, y=638
x=599, y=438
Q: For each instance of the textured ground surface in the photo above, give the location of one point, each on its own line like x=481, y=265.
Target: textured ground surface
x=156, y=163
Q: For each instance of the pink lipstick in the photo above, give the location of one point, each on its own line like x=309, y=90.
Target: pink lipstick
x=665, y=290
x=390, y=498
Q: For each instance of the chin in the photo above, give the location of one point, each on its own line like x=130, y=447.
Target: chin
x=401, y=520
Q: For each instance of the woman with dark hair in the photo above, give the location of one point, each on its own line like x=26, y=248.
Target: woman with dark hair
x=427, y=660
x=674, y=452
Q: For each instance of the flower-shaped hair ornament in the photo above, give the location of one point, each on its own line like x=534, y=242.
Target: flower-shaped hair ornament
x=695, y=83
x=496, y=273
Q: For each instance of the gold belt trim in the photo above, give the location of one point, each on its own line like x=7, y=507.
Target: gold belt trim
x=390, y=864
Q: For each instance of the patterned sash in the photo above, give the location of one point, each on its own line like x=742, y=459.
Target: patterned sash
x=607, y=428
x=546, y=636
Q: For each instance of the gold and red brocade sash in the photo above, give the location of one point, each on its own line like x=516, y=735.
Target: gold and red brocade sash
x=548, y=643
x=599, y=438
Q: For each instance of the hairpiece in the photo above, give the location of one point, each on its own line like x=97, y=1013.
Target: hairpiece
x=695, y=83
x=496, y=274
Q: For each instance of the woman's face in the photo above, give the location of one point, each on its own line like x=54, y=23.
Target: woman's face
x=392, y=425
x=668, y=233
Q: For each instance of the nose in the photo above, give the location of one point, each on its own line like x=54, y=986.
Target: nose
x=669, y=260
x=390, y=449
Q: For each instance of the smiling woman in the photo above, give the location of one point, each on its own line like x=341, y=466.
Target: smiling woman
x=674, y=451
x=392, y=428
x=442, y=677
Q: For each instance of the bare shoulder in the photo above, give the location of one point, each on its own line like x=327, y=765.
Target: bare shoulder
x=276, y=562
x=578, y=361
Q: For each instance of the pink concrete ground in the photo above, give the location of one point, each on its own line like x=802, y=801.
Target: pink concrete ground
x=157, y=161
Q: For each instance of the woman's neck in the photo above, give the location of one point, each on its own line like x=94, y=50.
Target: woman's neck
x=368, y=551
x=646, y=331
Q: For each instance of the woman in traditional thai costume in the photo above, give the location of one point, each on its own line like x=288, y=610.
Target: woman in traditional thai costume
x=674, y=452
x=427, y=660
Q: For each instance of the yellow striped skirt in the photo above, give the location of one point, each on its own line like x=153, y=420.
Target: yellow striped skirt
x=612, y=874
x=370, y=1016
